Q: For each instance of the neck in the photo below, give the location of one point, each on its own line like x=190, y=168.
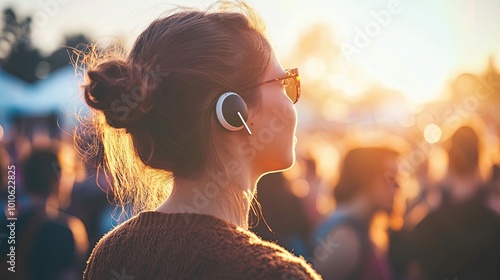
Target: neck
x=464, y=187
x=227, y=196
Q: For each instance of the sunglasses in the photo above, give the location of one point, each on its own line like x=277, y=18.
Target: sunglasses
x=291, y=82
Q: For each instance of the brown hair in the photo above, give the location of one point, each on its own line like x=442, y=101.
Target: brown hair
x=359, y=168
x=463, y=155
x=155, y=108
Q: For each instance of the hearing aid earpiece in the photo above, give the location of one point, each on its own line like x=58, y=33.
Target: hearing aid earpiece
x=232, y=112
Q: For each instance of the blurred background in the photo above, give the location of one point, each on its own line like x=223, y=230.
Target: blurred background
x=400, y=74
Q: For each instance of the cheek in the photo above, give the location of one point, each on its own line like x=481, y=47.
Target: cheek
x=279, y=116
x=275, y=132
x=284, y=120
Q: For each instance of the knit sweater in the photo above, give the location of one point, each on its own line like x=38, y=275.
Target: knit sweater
x=155, y=245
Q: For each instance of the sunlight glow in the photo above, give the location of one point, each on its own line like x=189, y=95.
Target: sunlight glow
x=300, y=188
x=432, y=133
x=413, y=49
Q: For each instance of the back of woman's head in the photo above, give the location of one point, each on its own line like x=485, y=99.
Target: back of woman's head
x=359, y=169
x=155, y=108
x=463, y=155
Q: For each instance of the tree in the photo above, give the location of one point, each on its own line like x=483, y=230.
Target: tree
x=16, y=53
x=20, y=58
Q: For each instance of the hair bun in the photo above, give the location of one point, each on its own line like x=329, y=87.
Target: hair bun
x=119, y=90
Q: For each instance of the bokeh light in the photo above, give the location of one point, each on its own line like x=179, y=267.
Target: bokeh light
x=432, y=133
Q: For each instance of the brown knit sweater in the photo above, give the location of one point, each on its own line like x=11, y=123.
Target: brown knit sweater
x=154, y=245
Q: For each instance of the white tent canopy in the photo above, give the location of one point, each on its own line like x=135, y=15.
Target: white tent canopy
x=57, y=93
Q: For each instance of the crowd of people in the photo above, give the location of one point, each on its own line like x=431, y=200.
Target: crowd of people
x=63, y=209
x=212, y=208
x=455, y=235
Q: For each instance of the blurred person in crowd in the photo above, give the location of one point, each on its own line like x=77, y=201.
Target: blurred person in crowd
x=493, y=200
x=185, y=107
x=284, y=218
x=309, y=170
x=460, y=239
x=86, y=193
x=399, y=251
x=89, y=191
x=342, y=245
x=49, y=243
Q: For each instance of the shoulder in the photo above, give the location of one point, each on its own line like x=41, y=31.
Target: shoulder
x=339, y=251
x=343, y=241
x=338, y=232
x=261, y=259
x=109, y=249
x=200, y=247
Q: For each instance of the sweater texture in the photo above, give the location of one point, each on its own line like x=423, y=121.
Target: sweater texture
x=155, y=245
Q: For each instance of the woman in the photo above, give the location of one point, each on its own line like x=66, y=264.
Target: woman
x=188, y=104
x=366, y=185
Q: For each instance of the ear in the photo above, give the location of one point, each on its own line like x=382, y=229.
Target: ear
x=232, y=112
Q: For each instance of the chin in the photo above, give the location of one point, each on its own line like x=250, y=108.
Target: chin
x=292, y=160
x=286, y=162
x=277, y=163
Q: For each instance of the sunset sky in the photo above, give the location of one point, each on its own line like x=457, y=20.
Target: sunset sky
x=414, y=46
